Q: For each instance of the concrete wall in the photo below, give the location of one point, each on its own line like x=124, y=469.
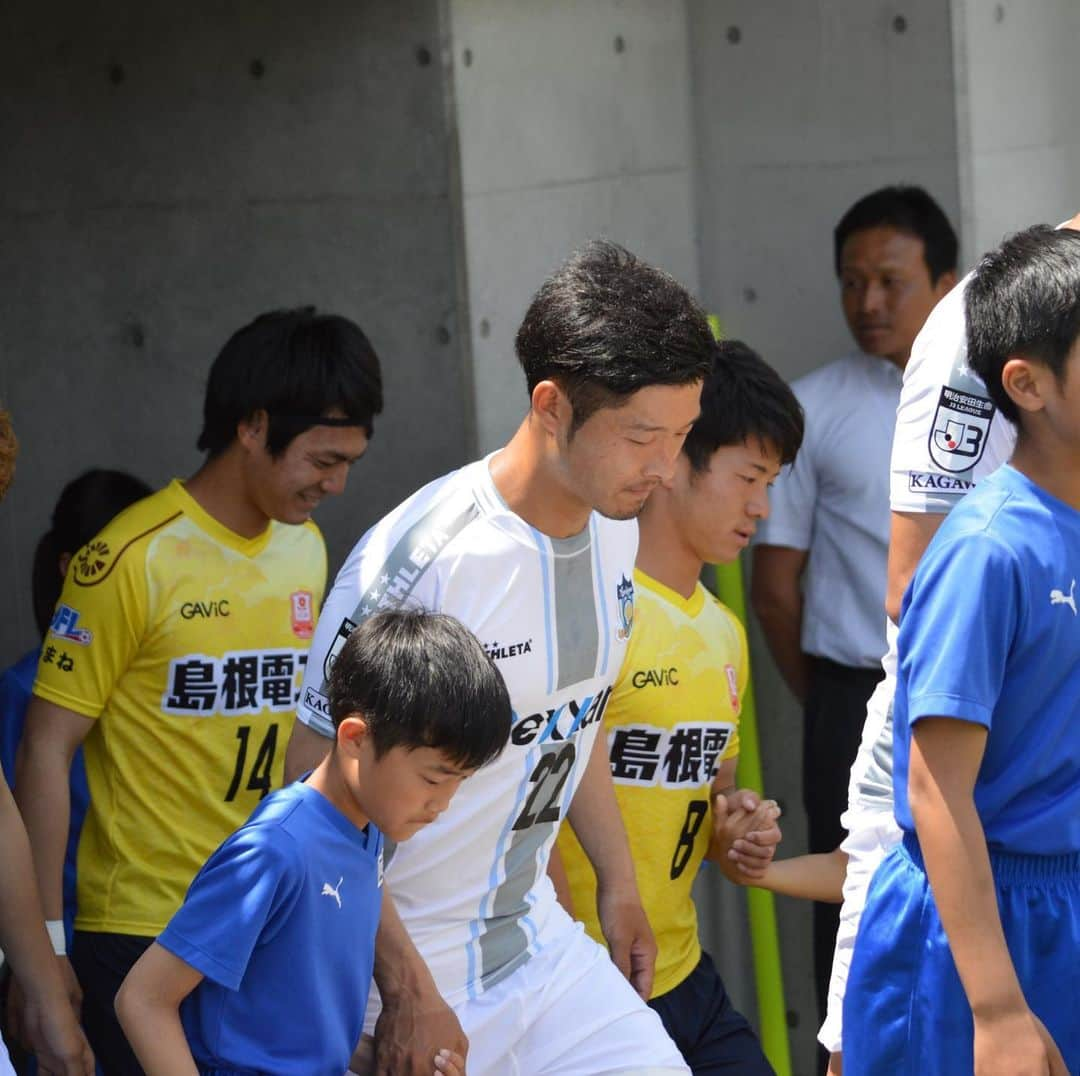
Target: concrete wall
x=574, y=122
x=171, y=171
x=1017, y=86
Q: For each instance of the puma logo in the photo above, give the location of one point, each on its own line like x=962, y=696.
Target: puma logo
x=1058, y=597
x=334, y=891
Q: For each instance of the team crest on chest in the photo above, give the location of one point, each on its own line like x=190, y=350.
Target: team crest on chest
x=733, y=688
x=302, y=613
x=624, y=595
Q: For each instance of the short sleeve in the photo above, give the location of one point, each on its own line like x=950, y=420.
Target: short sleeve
x=790, y=522
x=95, y=633
x=241, y=896
x=741, y=663
x=954, y=642
x=367, y=582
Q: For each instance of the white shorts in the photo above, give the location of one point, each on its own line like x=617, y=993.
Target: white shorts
x=567, y=1012
x=872, y=834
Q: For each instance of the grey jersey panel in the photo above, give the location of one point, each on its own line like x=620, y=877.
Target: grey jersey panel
x=576, y=631
x=504, y=942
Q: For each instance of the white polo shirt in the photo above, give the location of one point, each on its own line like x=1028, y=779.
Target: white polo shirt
x=834, y=502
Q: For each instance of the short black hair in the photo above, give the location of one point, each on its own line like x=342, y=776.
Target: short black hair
x=297, y=366
x=84, y=508
x=422, y=679
x=1024, y=299
x=905, y=209
x=744, y=397
x=606, y=324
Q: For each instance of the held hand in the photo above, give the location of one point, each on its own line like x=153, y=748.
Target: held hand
x=1016, y=1044
x=411, y=1033
x=447, y=1063
x=629, y=937
x=17, y=1002
x=745, y=835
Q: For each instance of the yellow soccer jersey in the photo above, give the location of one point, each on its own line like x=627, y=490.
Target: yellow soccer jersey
x=185, y=643
x=672, y=719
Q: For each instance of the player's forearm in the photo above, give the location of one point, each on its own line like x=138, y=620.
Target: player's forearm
x=598, y=825
x=23, y=937
x=813, y=877
x=44, y=800
x=400, y=970
x=156, y=1035
x=953, y=845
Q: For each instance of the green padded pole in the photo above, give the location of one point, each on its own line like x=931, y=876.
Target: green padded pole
x=765, y=941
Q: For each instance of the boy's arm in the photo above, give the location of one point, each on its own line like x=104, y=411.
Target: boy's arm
x=148, y=1007
x=49, y=1019
x=945, y=758
x=812, y=877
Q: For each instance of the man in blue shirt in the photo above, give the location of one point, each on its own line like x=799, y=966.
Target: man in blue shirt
x=968, y=955
x=266, y=967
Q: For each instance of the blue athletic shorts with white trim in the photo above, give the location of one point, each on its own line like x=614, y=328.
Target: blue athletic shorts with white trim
x=905, y=1010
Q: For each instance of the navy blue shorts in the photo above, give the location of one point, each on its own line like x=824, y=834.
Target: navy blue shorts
x=905, y=1010
x=710, y=1034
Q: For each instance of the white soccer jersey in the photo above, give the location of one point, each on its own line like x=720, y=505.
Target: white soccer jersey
x=555, y=614
x=948, y=437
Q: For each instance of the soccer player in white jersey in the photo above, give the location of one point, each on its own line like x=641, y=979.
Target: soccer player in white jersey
x=948, y=437
x=533, y=549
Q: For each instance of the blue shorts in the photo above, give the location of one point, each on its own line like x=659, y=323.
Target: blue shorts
x=905, y=1010
x=710, y=1034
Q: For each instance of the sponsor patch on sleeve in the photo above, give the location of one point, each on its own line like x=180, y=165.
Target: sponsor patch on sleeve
x=959, y=432
x=931, y=482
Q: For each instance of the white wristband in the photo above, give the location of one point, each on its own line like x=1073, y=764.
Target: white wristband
x=55, y=927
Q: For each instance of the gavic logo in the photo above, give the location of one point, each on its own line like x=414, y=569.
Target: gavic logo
x=195, y=610
x=656, y=677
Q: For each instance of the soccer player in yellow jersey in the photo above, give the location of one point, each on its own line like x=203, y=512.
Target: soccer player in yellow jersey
x=179, y=643
x=672, y=722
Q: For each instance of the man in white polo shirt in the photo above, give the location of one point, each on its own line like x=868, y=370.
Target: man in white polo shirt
x=820, y=561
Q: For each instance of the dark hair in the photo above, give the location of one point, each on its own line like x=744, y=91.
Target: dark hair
x=744, y=397
x=297, y=366
x=905, y=209
x=85, y=506
x=606, y=324
x=422, y=679
x=1024, y=299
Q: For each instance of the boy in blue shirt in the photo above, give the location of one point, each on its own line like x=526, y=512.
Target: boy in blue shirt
x=968, y=955
x=266, y=967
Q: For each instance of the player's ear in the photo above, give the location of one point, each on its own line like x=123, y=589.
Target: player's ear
x=252, y=431
x=353, y=734
x=552, y=408
x=1027, y=382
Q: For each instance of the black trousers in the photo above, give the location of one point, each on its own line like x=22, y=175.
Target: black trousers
x=834, y=715
x=101, y=961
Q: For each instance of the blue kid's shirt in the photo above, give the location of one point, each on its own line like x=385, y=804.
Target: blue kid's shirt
x=989, y=633
x=281, y=921
x=16, y=687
